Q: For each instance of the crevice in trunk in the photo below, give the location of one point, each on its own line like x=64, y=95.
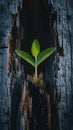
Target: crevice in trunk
x=35, y=21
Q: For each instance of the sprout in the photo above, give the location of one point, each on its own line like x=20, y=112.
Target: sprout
x=39, y=57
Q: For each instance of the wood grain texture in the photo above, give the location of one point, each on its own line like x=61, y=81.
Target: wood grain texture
x=64, y=78
x=64, y=75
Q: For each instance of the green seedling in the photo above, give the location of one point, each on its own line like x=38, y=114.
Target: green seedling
x=38, y=57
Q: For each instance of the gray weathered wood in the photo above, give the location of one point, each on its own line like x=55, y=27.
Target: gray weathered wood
x=6, y=10
x=64, y=27
x=65, y=73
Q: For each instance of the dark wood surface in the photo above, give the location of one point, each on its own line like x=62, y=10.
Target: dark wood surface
x=61, y=35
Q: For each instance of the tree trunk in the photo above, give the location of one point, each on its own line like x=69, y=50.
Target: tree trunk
x=52, y=25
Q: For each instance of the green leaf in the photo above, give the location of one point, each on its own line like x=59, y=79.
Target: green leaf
x=35, y=48
x=44, y=55
x=25, y=56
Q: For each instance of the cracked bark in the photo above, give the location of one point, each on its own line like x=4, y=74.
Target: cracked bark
x=64, y=70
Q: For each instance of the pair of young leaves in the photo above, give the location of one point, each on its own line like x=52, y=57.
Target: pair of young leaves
x=35, y=50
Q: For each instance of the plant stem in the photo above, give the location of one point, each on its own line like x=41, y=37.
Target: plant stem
x=35, y=68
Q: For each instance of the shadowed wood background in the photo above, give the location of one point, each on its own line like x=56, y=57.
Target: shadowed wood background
x=60, y=35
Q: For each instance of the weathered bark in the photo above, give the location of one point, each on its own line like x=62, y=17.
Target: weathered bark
x=62, y=31
x=65, y=73
x=6, y=10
